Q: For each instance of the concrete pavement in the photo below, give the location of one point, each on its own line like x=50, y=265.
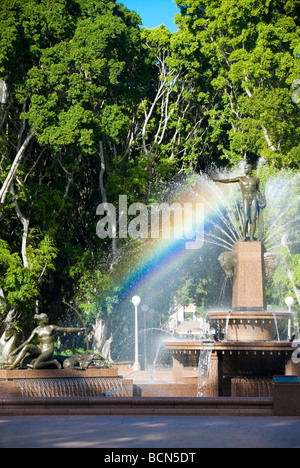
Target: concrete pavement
x=129, y=432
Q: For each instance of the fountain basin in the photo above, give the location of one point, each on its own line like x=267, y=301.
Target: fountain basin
x=64, y=383
x=250, y=325
x=191, y=347
x=236, y=368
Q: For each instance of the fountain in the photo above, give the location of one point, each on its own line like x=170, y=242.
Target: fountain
x=240, y=362
x=34, y=371
x=247, y=351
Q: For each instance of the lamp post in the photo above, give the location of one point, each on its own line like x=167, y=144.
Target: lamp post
x=145, y=309
x=136, y=300
x=289, y=302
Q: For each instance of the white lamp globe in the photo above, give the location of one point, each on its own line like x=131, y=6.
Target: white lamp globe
x=136, y=300
x=289, y=301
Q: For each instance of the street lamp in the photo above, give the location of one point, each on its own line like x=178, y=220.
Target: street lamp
x=136, y=300
x=289, y=302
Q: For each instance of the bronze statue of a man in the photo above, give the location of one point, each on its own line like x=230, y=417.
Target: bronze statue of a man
x=42, y=354
x=253, y=201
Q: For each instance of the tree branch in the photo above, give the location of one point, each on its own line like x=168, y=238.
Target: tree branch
x=25, y=223
x=270, y=144
x=104, y=200
x=13, y=170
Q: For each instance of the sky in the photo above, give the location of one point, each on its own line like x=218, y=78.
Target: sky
x=154, y=12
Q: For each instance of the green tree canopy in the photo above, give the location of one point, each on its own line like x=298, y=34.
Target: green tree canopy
x=252, y=49
x=93, y=107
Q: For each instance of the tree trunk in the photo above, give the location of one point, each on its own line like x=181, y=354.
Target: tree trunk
x=99, y=335
x=3, y=303
x=13, y=170
x=106, y=350
x=100, y=342
x=104, y=200
x=25, y=223
x=270, y=144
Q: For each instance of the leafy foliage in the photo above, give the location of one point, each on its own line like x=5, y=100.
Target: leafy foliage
x=106, y=108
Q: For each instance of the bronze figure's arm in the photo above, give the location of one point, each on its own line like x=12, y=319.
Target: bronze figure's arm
x=27, y=342
x=227, y=181
x=68, y=330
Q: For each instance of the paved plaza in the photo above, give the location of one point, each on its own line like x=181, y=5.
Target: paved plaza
x=149, y=432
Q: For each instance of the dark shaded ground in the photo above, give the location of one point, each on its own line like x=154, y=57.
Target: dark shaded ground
x=149, y=432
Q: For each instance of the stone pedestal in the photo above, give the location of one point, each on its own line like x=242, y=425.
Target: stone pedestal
x=249, y=320
x=248, y=288
x=244, y=364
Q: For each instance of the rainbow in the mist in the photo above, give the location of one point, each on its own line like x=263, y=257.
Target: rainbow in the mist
x=155, y=261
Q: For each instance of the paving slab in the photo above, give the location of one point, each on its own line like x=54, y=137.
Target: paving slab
x=129, y=432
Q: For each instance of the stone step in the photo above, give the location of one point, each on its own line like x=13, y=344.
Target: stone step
x=137, y=406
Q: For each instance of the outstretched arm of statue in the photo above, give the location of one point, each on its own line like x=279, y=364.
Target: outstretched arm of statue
x=69, y=330
x=227, y=181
